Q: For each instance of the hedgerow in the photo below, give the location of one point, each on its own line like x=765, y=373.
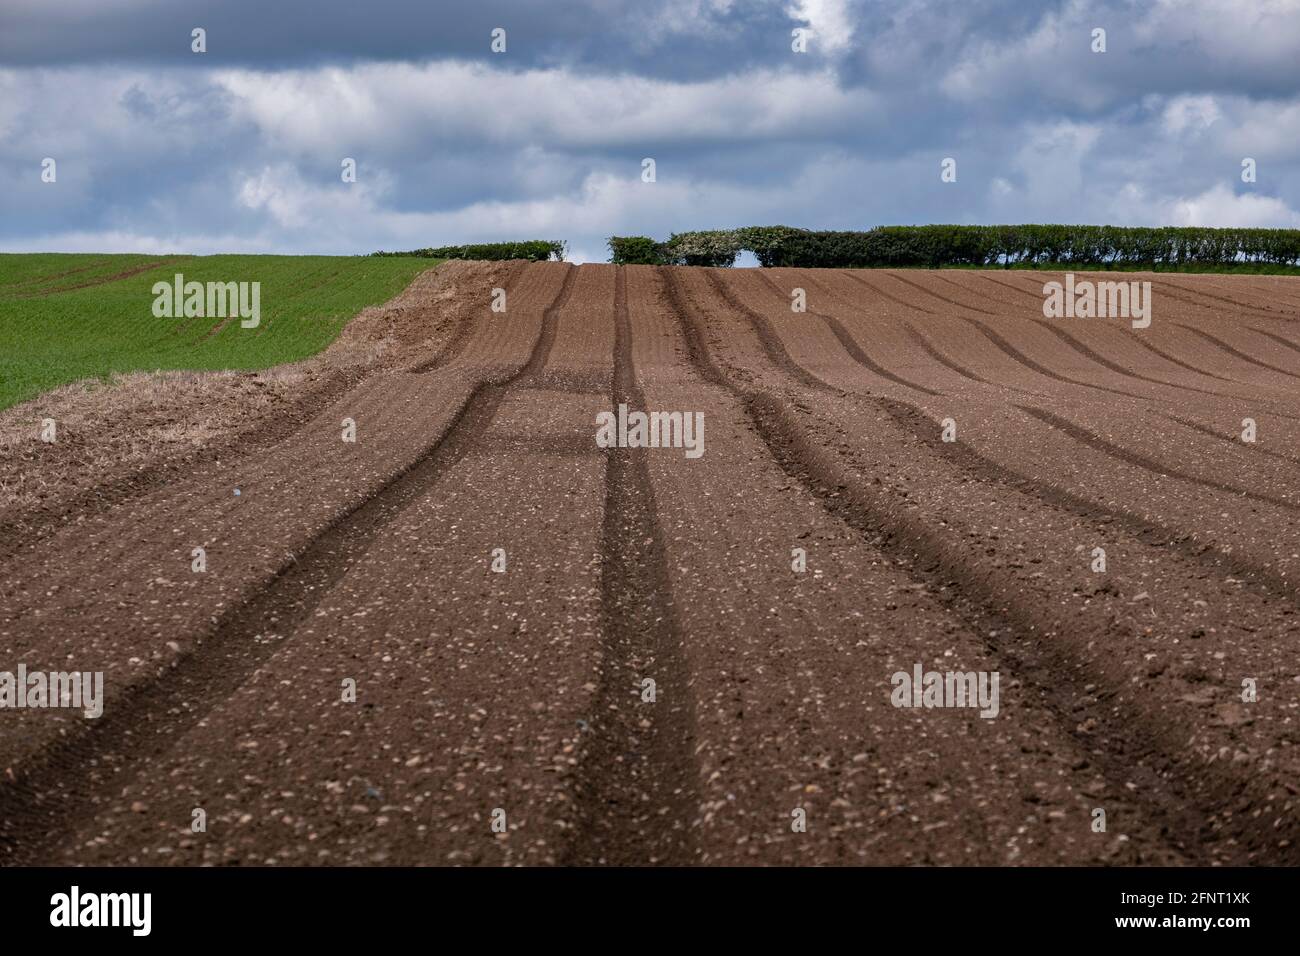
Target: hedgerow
x=535, y=250
x=635, y=251
x=955, y=245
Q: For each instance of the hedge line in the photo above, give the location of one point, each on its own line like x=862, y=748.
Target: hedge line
x=936, y=246
x=535, y=250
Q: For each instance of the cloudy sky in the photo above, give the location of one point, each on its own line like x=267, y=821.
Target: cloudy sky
x=239, y=149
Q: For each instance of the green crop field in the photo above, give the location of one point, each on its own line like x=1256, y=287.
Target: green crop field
x=65, y=317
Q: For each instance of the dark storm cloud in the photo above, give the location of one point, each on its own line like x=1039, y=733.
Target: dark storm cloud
x=669, y=37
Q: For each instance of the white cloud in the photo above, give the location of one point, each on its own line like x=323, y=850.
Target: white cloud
x=1259, y=35
x=1220, y=206
x=397, y=105
x=1168, y=45
x=1190, y=113
x=161, y=243
x=829, y=21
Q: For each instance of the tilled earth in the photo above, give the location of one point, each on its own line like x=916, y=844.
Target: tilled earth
x=617, y=655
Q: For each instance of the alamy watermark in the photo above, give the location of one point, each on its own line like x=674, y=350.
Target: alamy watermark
x=923, y=688
x=133, y=911
x=198, y=300
x=78, y=690
x=651, y=430
x=1086, y=299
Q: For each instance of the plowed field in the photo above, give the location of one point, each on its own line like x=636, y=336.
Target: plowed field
x=635, y=655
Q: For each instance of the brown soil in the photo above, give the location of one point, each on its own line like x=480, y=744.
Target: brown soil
x=525, y=691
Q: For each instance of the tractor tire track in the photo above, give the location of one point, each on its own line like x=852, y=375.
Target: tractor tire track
x=924, y=344
x=911, y=306
x=637, y=787
x=1191, y=299
x=853, y=350
x=910, y=416
x=1132, y=745
x=464, y=330
x=1110, y=449
x=941, y=298
x=77, y=772
x=1237, y=353
x=1140, y=341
